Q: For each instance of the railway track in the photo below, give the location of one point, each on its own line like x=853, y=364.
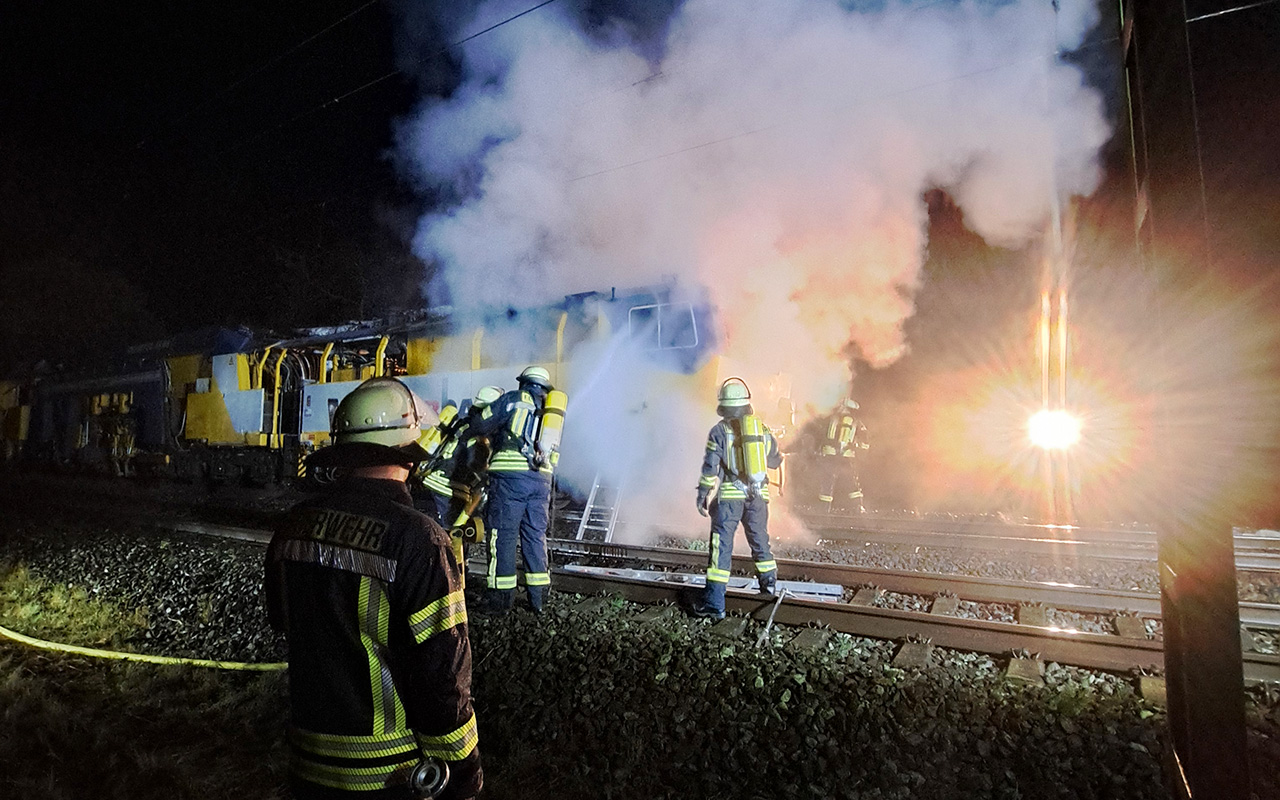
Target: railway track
x=1067, y=597
x=1110, y=652
x=1256, y=551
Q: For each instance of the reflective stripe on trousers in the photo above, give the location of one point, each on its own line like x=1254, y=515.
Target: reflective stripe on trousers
x=519, y=510
x=725, y=516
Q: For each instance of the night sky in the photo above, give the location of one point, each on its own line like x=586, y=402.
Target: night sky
x=169, y=165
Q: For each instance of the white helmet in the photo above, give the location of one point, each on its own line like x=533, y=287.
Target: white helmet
x=379, y=422
x=485, y=396
x=537, y=376
x=734, y=398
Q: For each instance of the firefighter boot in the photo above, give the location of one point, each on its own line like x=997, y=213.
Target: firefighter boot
x=496, y=602
x=537, y=594
x=769, y=586
x=710, y=604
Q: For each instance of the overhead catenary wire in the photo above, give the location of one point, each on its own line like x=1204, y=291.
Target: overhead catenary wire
x=271, y=62
x=1225, y=11
x=382, y=78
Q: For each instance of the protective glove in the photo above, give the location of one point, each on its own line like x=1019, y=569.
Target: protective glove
x=702, y=501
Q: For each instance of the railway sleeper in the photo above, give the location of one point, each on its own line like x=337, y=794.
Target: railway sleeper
x=945, y=605
x=867, y=596
x=1130, y=626
x=1025, y=670
x=914, y=655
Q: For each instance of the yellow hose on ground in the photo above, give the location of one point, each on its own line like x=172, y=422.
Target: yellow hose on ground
x=89, y=651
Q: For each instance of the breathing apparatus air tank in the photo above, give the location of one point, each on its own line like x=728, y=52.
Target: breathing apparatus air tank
x=751, y=445
x=755, y=451
x=552, y=427
x=431, y=438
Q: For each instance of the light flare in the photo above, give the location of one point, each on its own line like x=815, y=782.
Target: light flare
x=1054, y=429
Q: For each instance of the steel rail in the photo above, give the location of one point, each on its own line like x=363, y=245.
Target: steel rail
x=1260, y=616
x=1067, y=597
x=1088, y=650
x=255, y=535
x=1135, y=534
x=872, y=522
x=1118, y=543
x=1247, y=558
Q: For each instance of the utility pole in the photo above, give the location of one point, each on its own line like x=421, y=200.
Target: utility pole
x=1199, y=594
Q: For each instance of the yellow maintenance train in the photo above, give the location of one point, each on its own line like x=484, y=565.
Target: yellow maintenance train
x=235, y=406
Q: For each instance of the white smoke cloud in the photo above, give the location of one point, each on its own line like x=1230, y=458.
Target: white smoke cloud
x=775, y=153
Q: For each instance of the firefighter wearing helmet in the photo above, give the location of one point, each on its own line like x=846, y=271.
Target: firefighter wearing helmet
x=841, y=488
x=523, y=427
x=740, y=450
x=357, y=578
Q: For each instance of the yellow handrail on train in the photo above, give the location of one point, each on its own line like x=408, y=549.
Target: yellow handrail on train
x=262, y=362
x=275, y=402
x=378, y=366
x=475, y=348
x=564, y=318
x=324, y=363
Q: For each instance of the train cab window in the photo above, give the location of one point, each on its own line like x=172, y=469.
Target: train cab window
x=664, y=326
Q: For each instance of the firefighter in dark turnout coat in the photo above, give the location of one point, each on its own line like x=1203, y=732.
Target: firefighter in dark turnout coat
x=369, y=595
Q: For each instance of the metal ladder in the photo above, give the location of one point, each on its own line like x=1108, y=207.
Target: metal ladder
x=601, y=512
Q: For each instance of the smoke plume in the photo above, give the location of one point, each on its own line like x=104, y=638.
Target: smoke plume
x=775, y=152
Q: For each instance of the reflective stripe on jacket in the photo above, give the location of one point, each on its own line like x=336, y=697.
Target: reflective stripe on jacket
x=371, y=600
x=512, y=421
x=720, y=465
x=842, y=432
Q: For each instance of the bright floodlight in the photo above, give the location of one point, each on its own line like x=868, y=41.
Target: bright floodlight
x=1053, y=430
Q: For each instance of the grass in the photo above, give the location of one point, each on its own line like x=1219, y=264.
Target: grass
x=59, y=613
x=74, y=728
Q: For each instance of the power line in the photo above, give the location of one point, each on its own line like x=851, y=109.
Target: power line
x=370, y=84
x=307, y=205
x=261, y=68
x=1232, y=10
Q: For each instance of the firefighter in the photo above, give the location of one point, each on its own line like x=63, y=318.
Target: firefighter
x=740, y=450
x=369, y=596
x=449, y=473
x=518, y=426
x=841, y=487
